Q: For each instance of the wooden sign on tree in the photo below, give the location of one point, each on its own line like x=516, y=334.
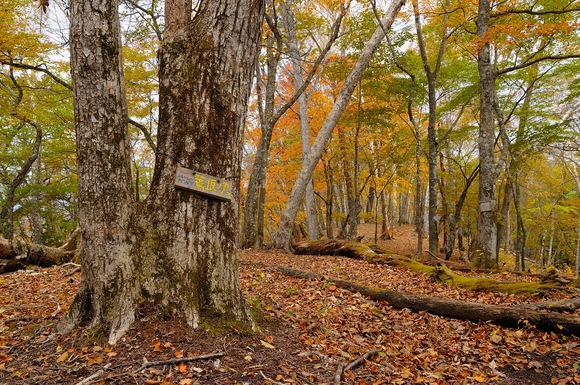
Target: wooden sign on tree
x=204, y=184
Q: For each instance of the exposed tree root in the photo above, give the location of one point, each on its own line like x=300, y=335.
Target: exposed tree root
x=180, y=360
x=353, y=364
x=508, y=316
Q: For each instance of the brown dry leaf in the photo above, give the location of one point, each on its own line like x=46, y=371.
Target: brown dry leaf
x=479, y=378
x=185, y=381
x=94, y=359
x=182, y=368
x=269, y=339
x=156, y=345
x=97, y=349
x=561, y=362
x=178, y=353
x=4, y=357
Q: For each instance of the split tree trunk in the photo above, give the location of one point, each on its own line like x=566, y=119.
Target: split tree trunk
x=177, y=249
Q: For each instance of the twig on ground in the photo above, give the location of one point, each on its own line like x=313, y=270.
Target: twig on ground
x=361, y=359
x=90, y=379
x=70, y=264
x=180, y=360
x=433, y=255
x=339, y=371
x=26, y=318
x=271, y=380
x=344, y=367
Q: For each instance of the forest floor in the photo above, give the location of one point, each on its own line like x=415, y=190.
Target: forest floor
x=309, y=331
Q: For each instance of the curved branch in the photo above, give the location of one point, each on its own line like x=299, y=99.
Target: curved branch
x=535, y=61
x=42, y=68
x=8, y=209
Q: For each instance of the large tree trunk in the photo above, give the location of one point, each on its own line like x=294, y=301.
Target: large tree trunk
x=284, y=234
x=177, y=249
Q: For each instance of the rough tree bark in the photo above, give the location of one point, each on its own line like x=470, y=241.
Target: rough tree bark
x=177, y=249
x=485, y=249
x=284, y=234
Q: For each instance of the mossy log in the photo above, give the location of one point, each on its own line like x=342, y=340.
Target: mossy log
x=341, y=247
x=440, y=273
x=508, y=316
x=19, y=254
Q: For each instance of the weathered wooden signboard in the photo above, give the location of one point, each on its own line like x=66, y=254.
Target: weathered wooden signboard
x=487, y=206
x=204, y=184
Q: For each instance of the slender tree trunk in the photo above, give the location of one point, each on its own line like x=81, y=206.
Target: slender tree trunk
x=370, y=204
x=551, y=242
x=178, y=249
x=418, y=194
x=283, y=236
x=577, y=251
x=384, y=214
x=456, y=217
x=253, y=236
x=347, y=228
x=404, y=208
x=521, y=230
x=288, y=17
x=503, y=214
x=485, y=251
x=36, y=220
x=433, y=150
x=356, y=205
x=329, y=198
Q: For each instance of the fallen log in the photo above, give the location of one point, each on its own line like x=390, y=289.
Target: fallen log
x=507, y=316
x=19, y=254
x=439, y=273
